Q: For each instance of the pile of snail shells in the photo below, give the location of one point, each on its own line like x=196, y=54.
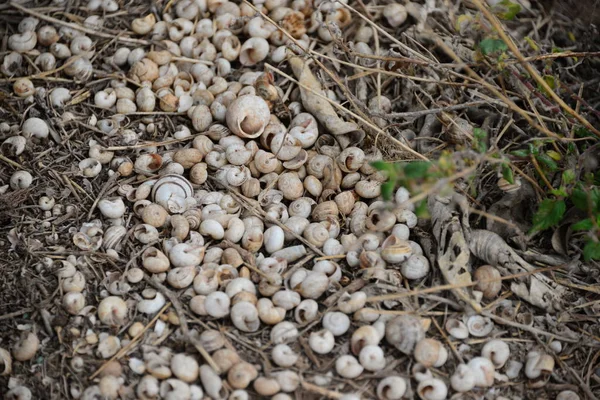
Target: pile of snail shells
x=329, y=196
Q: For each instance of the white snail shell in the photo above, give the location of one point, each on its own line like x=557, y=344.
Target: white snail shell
x=247, y=116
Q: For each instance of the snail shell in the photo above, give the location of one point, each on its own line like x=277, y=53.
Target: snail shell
x=247, y=116
x=404, y=332
x=169, y=190
x=113, y=236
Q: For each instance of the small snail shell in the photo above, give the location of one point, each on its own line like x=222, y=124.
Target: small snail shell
x=217, y=304
x=283, y=332
x=567, y=395
x=180, y=227
x=241, y=374
x=479, y=326
x=395, y=251
x=47, y=35
x=371, y=357
x=5, y=362
x=143, y=25
x=489, y=281
x=288, y=381
x=366, y=335
x=78, y=67
x=497, y=351
x=463, y=379
x=430, y=353
x=416, y=267
x=391, y=388
x=247, y=116
x=181, y=277
x=253, y=51
x=482, y=370
x=316, y=234
x=73, y=302
x=368, y=189
x=457, y=328
x=46, y=61
x=148, y=163
x=22, y=42
x=112, y=208
x=35, y=127
x=313, y=285
x=155, y=261
x=395, y=14
x=170, y=190
x=539, y=366
x=186, y=254
x=351, y=159
x=284, y=356
x=145, y=233
x=26, y=347
x=154, y=215
x=20, y=180
x=336, y=322
x=273, y=239
x=185, y=367
x=245, y=317
x=266, y=386
x=112, y=311
x=321, y=342
x=225, y=359
x=306, y=311
x=404, y=332
x=432, y=389
x=152, y=303
x=23, y=87
x=351, y=303
x=13, y=146
x=211, y=382
x=348, y=367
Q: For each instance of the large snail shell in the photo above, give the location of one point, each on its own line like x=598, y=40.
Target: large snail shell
x=169, y=190
x=247, y=116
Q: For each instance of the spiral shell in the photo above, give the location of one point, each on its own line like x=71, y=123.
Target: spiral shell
x=113, y=237
x=247, y=116
x=171, y=191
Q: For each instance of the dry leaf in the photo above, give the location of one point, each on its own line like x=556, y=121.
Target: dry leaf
x=310, y=90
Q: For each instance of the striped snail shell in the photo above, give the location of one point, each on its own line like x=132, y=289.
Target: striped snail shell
x=172, y=191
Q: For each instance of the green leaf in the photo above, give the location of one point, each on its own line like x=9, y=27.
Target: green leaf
x=547, y=161
x=421, y=209
x=533, y=148
x=416, y=169
x=591, y=251
x=507, y=174
x=520, y=153
x=581, y=131
x=568, y=177
x=560, y=192
x=489, y=46
x=580, y=199
x=507, y=10
x=584, y=225
x=387, y=190
x=532, y=43
x=382, y=165
x=549, y=213
x=480, y=140
x=595, y=195
x=586, y=201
